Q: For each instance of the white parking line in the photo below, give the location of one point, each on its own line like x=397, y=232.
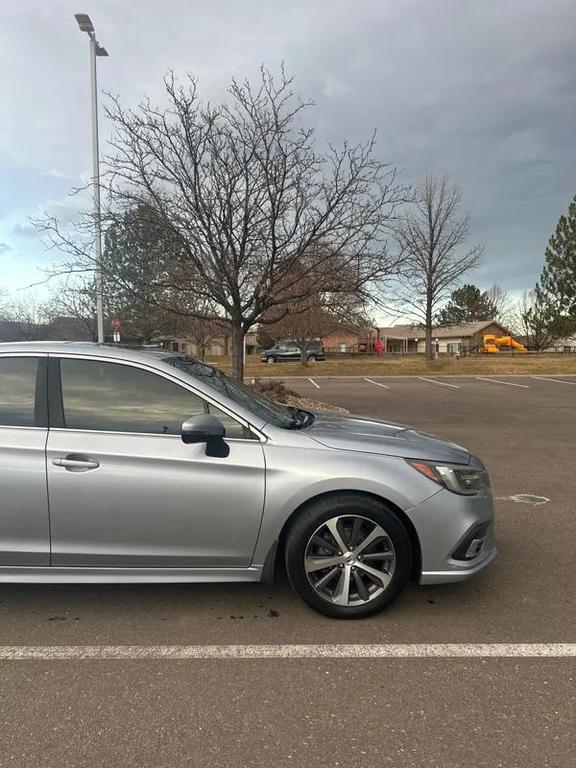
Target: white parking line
x=558, y=381
x=384, y=386
x=313, y=382
x=392, y=651
x=509, y=383
x=440, y=383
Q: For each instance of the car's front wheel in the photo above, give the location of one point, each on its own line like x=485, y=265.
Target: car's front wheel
x=348, y=556
x=270, y=360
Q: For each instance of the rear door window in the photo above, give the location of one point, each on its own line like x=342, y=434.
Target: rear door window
x=18, y=391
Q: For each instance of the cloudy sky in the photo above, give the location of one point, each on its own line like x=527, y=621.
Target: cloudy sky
x=483, y=90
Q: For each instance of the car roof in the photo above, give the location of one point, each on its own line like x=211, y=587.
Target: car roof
x=87, y=348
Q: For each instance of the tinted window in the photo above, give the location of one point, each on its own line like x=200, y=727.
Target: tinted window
x=233, y=427
x=17, y=391
x=121, y=398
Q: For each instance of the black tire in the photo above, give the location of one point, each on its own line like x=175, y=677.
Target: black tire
x=270, y=360
x=312, y=358
x=340, y=505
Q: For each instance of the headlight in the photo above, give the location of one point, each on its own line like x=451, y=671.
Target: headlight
x=464, y=480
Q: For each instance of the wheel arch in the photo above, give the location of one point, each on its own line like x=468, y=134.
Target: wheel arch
x=276, y=551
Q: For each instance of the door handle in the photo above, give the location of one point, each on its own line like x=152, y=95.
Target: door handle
x=76, y=463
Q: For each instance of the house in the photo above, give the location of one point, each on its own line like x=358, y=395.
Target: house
x=217, y=345
x=567, y=344
x=348, y=339
x=452, y=339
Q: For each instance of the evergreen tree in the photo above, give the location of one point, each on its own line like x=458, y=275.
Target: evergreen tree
x=135, y=258
x=557, y=287
x=467, y=304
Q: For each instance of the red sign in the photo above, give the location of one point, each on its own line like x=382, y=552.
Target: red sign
x=116, y=324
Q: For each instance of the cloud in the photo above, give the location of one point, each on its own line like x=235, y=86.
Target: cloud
x=335, y=89
x=56, y=174
x=523, y=146
x=4, y=247
x=25, y=230
x=481, y=91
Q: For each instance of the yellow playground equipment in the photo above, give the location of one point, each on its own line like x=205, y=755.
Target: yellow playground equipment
x=493, y=343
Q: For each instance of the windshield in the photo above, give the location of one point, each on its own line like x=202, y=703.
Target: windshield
x=240, y=393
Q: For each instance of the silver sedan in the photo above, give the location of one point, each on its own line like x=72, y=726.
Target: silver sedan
x=120, y=465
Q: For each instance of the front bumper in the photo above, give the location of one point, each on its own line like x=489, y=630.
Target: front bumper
x=461, y=573
x=447, y=526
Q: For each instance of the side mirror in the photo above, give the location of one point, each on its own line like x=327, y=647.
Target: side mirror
x=206, y=429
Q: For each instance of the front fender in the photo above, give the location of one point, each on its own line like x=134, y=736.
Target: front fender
x=296, y=475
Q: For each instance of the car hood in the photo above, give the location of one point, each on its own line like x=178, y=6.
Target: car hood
x=357, y=433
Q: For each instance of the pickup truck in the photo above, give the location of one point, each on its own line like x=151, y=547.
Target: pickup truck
x=290, y=352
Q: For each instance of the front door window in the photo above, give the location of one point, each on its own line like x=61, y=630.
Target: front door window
x=121, y=398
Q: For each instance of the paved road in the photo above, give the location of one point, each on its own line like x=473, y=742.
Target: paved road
x=313, y=712
x=437, y=714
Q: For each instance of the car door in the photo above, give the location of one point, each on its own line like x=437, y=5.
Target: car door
x=24, y=522
x=293, y=353
x=289, y=352
x=126, y=491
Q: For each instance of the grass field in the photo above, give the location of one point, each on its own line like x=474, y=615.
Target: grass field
x=413, y=365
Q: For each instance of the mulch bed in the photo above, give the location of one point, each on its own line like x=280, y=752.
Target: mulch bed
x=279, y=393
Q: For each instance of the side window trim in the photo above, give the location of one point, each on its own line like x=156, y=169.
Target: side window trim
x=55, y=407
x=41, y=394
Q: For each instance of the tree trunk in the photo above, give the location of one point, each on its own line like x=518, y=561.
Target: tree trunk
x=237, y=350
x=429, y=352
x=304, y=355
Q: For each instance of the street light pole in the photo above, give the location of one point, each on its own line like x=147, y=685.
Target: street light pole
x=96, y=49
x=96, y=183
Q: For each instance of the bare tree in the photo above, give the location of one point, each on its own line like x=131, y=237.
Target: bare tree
x=243, y=190
x=531, y=319
x=71, y=310
x=502, y=303
x=431, y=236
x=202, y=332
x=27, y=316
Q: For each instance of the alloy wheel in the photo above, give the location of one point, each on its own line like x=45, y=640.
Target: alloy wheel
x=349, y=560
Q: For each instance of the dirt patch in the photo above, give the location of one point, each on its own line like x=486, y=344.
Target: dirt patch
x=280, y=393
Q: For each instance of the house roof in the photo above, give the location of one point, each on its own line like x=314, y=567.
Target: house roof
x=414, y=331
x=565, y=341
x=360, y=330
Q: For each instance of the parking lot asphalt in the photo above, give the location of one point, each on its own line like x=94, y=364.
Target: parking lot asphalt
x=327, y=712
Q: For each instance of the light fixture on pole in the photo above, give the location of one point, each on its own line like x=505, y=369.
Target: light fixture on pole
x=96, y=49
